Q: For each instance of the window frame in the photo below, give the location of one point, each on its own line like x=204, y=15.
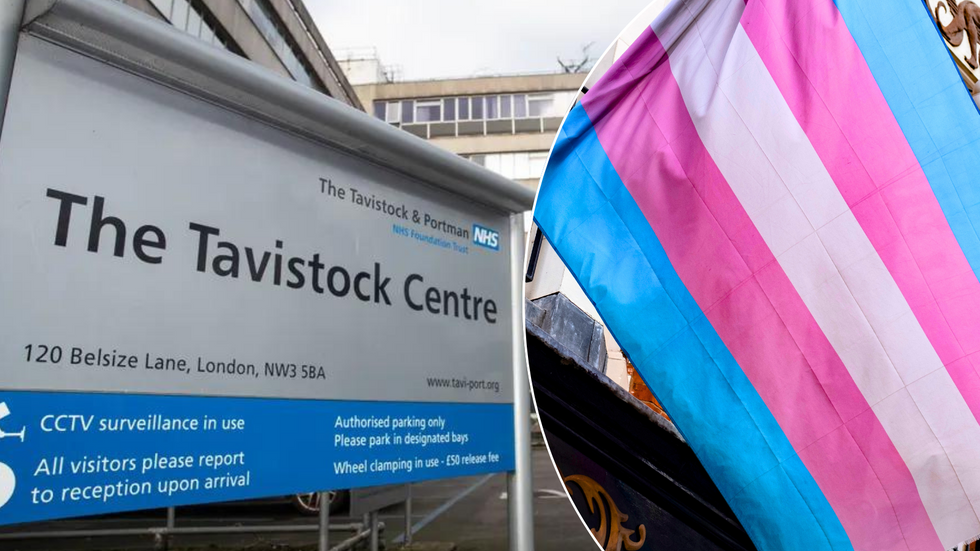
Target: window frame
x=397, y=117
x=476, y=103
x=428, y=104
x=521, y=101
x=447, y=105
x=549, y=96
x=491, y=107
x=407, y=106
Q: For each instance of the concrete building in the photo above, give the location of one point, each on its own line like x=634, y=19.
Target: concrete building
x=280, y=35
x=505, y=123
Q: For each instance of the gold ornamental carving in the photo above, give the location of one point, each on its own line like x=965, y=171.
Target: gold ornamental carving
x=964, y=22
x=959, y=25
x=611, y=532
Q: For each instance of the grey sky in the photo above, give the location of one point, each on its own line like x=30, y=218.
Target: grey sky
x=453, y=38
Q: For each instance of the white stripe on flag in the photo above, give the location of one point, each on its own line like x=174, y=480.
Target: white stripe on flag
x=777, y=176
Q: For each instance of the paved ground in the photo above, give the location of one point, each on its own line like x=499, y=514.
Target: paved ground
x=476, y=521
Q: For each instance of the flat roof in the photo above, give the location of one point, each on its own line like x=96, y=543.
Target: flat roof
x=500, y=84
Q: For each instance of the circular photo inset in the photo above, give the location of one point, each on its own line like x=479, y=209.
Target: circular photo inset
x=752, y=279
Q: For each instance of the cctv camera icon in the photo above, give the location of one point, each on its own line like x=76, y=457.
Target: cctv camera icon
x=4, y=412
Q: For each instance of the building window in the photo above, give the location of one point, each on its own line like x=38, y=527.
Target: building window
x=477, y=106
x=540, y=105
x=267, y=20
x=492, y=111
x=408, y=111
x=520, y=106
x=505, y=112
x=178, y=15
x=537, y=162
x=193, y=23
x=393, y=113
x=207, y=33
x=449, y=109
x=521, y=165
x=528, y=109
x=428, y=111
x=549, y=105
x=193, y=18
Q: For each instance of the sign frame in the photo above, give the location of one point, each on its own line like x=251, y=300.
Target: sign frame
x=118, y=35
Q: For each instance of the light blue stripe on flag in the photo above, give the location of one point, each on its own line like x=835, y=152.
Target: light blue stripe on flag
x=903, y=49
x=595, y=225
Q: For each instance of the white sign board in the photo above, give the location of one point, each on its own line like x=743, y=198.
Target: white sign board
x=198, y=306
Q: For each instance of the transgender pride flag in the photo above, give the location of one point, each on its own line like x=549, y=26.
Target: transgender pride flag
x=774, y=206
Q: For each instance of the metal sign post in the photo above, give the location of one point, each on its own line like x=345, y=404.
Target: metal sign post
x=324, y=535
x=408, y=517
x=375, y=530
x=520, y=486
x=194, y=263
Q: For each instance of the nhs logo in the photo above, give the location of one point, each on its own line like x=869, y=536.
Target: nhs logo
x=485, y=237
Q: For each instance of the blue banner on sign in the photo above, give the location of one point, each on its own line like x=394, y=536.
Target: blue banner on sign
x=68, y=454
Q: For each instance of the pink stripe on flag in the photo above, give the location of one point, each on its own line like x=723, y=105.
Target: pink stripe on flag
x=856, y=136
x=732, y=274
x=863, y=148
